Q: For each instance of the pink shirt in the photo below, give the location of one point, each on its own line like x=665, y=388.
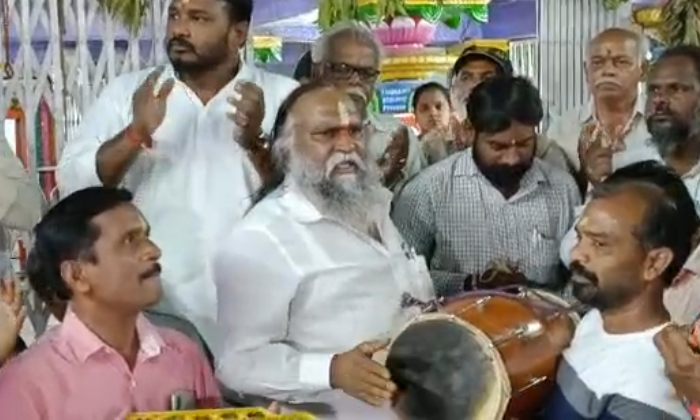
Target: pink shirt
x=71, y=374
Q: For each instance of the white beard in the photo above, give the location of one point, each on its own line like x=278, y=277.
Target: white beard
x=346, y=198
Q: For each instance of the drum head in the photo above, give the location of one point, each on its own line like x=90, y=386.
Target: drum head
x=440, y=355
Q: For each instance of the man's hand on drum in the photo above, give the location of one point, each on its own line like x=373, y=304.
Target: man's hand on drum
x=355, y=373
x=560, y=331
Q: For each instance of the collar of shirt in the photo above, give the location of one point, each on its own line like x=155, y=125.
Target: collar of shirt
x=587, y=113
x=303, y=210
x=467, y=167
x=245, y=74
x=76, y=340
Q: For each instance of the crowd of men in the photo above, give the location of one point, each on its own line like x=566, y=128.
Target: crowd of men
x=234, y=236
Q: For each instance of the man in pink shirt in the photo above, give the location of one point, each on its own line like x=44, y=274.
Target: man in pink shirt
x=105, y=360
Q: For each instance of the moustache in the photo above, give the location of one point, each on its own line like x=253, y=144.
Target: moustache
x=579, y=274
x=344, y=158
x=152, y=272
x=179, y=42
x=661, y=114
x=607, y=82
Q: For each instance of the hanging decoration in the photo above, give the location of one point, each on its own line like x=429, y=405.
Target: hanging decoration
x=6, y=64
x=267, y=49
x=680, y=22
x=45, y=135
x=647, y=14
x=21, y=140
x=613, y=4
x=129, y=13
x=402, y=22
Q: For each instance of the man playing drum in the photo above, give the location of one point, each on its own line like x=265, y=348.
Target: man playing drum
x=494, y=205
x=633, y=240
x=316, y=268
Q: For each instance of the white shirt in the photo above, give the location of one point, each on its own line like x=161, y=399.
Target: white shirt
x=21, y=197
x=566, y=131
x=295, y=287
x=604, y=375
x=195, y=183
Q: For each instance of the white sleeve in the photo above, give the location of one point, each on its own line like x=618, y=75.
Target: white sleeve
x=104, y=119
x=256, y=285
x=21, y=198
x=570, y=239
x=565, y=132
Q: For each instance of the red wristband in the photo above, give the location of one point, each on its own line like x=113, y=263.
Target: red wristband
x=136, y=138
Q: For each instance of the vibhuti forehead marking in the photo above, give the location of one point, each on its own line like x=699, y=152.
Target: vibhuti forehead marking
x=344, y=113
x=585, y=220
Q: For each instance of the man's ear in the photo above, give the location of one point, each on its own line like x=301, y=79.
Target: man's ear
x=656, y=263
x=238, y=35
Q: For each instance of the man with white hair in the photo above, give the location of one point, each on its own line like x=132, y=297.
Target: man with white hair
x=316, y=277
x=349, y=56
x=607, y=132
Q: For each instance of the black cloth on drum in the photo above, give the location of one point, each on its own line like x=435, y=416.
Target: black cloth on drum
x=440, y=369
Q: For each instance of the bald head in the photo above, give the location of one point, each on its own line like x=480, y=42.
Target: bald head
x=615, y=63
x=621, y=36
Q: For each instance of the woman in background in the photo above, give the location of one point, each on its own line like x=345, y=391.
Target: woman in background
x=441, y=134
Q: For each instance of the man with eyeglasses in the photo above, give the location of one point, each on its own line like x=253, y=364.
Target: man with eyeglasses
x=349, y=56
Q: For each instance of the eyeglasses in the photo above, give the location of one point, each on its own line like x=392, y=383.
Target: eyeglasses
x=343, y=71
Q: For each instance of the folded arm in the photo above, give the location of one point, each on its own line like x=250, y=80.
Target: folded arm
x=256, y=285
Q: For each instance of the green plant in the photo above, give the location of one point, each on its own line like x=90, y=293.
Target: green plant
x=129, y=13
x=681, y=22
x=613, y=4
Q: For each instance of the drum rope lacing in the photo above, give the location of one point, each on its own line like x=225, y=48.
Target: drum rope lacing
x=436, y=305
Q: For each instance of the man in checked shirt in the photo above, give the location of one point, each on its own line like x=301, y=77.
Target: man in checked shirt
x=494, y=205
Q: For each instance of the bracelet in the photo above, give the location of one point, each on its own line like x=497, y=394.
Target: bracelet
x=133, y=137
x=260, y=144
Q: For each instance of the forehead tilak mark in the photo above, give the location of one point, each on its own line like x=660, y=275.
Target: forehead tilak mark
x=343, y=113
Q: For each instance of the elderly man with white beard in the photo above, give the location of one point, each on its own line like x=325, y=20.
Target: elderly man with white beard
x=316, y=278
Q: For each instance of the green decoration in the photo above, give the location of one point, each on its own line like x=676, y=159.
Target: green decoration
x=129, y=13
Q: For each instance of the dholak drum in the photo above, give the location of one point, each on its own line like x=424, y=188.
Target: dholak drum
x=511, y=321
x=441, y=355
